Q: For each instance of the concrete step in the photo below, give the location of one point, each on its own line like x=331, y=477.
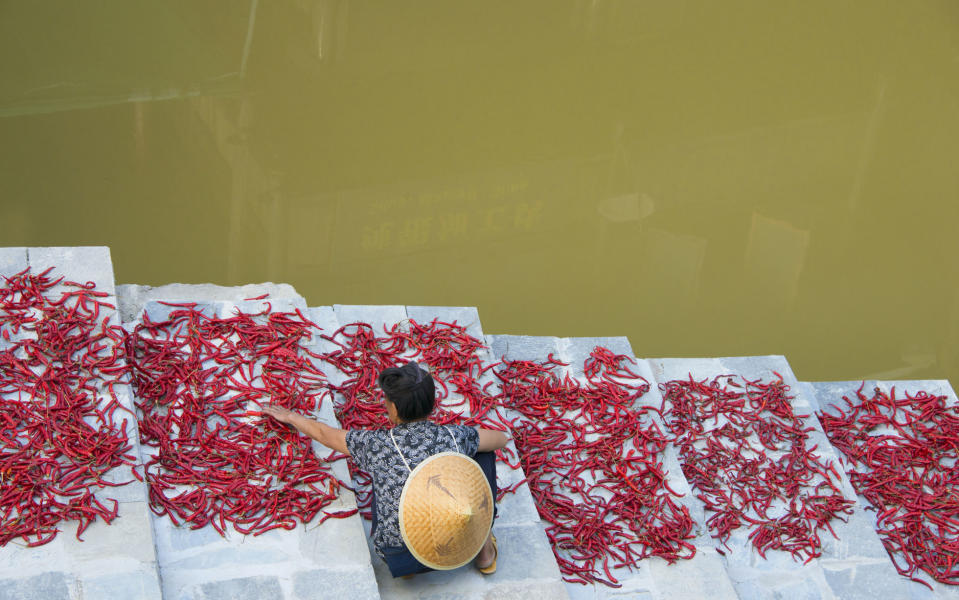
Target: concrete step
x=854, y=566
x=700, y=577
x=142, y=556
x=301, y=564
x=526, y=567
x=824, y=395
x=113, y=561
x=133, y=298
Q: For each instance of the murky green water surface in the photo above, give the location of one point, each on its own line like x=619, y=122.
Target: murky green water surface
x=706, y=178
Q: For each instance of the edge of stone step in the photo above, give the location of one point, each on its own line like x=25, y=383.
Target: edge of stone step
x=698, y=577
x=134, y=297
x=301, y=564
x=826, y=394
x=849, y=565
x=116, y=560
x=527, y=568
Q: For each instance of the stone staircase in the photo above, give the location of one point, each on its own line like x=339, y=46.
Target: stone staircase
x=119, y=560
x=144, y=556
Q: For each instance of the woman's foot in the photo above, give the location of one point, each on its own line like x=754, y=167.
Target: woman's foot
x=485, y=561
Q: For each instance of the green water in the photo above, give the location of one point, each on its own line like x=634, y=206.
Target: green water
x=706, y=178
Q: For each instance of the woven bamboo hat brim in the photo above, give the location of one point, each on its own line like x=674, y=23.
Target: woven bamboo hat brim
x=446, y=511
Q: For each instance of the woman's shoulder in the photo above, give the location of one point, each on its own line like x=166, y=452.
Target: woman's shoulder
x=367, y=435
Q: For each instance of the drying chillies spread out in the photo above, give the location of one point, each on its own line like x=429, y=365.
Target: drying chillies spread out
x=589, y=440
x=215, y=460
x=594, y=460
x=453, y=356
x=744, y=450
x=592, y=452
x=60, y=435
x=905, y=452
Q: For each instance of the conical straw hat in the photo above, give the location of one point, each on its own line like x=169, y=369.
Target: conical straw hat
x=446, y=511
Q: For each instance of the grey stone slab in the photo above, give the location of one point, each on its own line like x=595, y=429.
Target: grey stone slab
x=637, y=582
x=336, y=548
x=140, y=585
x=786, y=588
x=856, y=539
x=524, y=553
x=337, y=542
x=525, y=562
x=464, y=316
x=853, y=537
x=132, y=298
x=830, y=394
x=12, y=261
x=159, y=310
x=243, y=588
x=917, y=591
x=176, y=539
x=517, y=508
x=579, y=591
x=939, y=387
x=639, y=595
x=321, y=584
x=226, y=558
x=864, y=581
x=52, y=585
x=809, y=391
x=703, y=576
x=325, y=319
x=759, y=367
x=77, y=263
x=132, y=491
x=465, y=581
x=378, y=316
x=128, y=538
x=778, y=575
x=670, y=369
x=276, y=305
x=538, y=590
x=523, y=347
x=799, y=590
x=579, y=349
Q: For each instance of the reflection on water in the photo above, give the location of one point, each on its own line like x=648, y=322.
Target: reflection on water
x=708, y=179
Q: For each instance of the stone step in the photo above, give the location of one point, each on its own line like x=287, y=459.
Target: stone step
x=700, y=577
x=526, y=567
x=143, y=556
x=133, y=298
x=825, y=395
x=301, y=564
x=113, y=561
x=854, y=566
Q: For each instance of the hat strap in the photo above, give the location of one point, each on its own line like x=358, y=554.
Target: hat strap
x=393, y=439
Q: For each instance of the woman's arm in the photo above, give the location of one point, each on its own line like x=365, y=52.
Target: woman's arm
x=331, y=437
x=490, y=439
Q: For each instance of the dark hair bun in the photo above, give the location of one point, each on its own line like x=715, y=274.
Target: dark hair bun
x=410, y=388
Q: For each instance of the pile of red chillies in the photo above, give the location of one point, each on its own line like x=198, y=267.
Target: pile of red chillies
x=453, y=357
x=591, y=439
x=744, y=451
x=215, y=460
x=594, y=460
x=905, y=452
x=59, y=432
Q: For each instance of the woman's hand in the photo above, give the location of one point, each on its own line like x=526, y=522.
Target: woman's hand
x=331, y=437
x=281, y=414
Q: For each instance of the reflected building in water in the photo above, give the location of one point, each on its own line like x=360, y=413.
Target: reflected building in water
x=587, y=168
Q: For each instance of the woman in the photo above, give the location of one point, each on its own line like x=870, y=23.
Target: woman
x=390, y=454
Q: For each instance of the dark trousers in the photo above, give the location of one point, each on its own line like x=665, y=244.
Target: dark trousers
x=398, y=558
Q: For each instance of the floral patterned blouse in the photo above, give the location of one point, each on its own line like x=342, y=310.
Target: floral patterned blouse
x=374, y=453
